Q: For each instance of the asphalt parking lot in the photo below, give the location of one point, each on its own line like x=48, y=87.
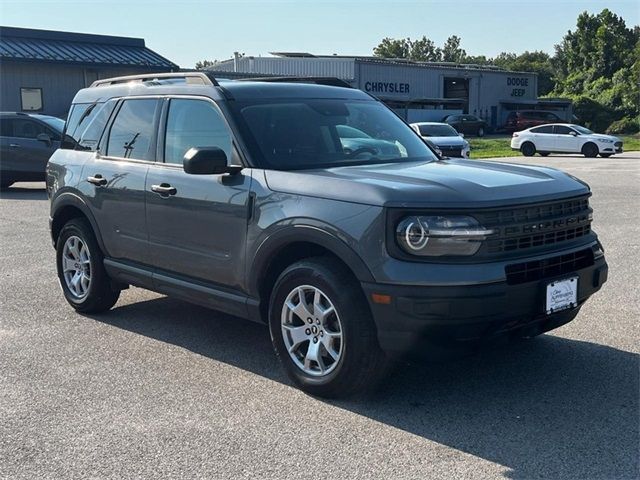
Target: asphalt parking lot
x=159, y=388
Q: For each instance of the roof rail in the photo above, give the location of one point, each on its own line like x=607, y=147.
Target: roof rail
x=331, y=81
x=193, y=78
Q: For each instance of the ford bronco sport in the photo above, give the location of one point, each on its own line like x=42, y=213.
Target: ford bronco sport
x=257, y=199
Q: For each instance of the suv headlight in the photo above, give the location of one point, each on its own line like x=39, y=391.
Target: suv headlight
x=605, y=140
x=436, y=236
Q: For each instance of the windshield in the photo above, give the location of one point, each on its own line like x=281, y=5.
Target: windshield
x=437, y=131
x=582, y=130
x=319, y=133
x=56, y=123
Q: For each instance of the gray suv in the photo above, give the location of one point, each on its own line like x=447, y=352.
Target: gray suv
x=244, y=196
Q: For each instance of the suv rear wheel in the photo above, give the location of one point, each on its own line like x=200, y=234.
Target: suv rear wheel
x=322, y=330
x=84, y=281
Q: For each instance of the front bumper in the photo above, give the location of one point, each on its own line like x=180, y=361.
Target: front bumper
x=459, y=313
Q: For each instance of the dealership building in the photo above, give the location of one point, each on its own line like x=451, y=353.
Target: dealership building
x=41, y=70
x=417, y=91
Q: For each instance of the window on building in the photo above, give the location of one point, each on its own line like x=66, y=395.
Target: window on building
x=31, y=99
x=133, y=130
x=194, y=123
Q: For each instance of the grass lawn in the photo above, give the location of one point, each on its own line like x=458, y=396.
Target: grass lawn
x=500, y=146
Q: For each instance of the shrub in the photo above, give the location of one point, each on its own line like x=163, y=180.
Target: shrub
x=593, y=114
x=626, y=125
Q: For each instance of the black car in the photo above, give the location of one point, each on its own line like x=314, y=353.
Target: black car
x=467, y=124
x=26, y=143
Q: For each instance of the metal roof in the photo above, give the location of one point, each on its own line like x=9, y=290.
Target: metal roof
x=25, y=44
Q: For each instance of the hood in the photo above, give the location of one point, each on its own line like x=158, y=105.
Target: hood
x=601, y=135
x=446, y=141
x=448, y=184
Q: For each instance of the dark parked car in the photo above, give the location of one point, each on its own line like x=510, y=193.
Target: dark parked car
x=241, y=196
x=26, y=143
x=467, y=124
x=517, y=121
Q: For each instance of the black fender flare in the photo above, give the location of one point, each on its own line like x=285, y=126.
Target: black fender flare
x=287, y=235
x=70, y=199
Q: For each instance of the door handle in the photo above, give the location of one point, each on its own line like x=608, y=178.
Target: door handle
x=164, y=189
x=14, y=145
x=97, y=180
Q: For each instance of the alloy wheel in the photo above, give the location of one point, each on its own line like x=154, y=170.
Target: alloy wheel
x=76, y=267
x=312, y=330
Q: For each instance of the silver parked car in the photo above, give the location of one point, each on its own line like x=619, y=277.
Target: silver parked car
x=445, y=137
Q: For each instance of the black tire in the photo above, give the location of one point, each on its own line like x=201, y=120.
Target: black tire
x=590, y=150
x=606, y=155
x=480, y=132
x=361, y=364
x=544, y=154
x=528, y=149
x=101, y=295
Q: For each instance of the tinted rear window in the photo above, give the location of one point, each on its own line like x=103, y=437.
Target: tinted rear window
x=132, y=132
x=91, y=133
x=543, y=129
x=77, y=120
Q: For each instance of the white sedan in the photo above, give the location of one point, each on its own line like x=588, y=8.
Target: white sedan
x=564, y=138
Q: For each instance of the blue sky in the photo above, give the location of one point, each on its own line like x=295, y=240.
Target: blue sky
x=188, y=31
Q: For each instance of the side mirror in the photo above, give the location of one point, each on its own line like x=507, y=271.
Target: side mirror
x=573, y=134
x=207, y=161
x=46, y=139
x=461, y=135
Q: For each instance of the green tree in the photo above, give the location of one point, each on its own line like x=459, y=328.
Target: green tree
x=538, y=62
x=393, y=48
x=202, y=64
x=599, y=46
x=452, y=52
x=598, y=66
x=424, y=50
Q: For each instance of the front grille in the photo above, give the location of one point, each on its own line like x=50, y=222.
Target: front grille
x=451, y=151
x=617, y=144
x=549, y=267
x=537, y=225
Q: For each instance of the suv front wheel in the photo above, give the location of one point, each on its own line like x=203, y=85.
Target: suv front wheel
x=82, y=276
x=322, y=330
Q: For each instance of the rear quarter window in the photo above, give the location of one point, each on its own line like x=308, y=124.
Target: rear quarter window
x=91, y=134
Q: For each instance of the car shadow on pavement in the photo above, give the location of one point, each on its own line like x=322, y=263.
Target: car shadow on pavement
x=20, y=193
x=545, y=408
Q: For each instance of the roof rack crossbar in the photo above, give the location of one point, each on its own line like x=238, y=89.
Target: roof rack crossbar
x=330, y=81
x=197, y=78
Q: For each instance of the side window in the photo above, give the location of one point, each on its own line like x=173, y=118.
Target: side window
x=562, y=130
x=90, y=129
x=133, y=130
x=544, y=129
x=23, y=128
x=78, y=115
x=194, y=123
x=6, y=127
